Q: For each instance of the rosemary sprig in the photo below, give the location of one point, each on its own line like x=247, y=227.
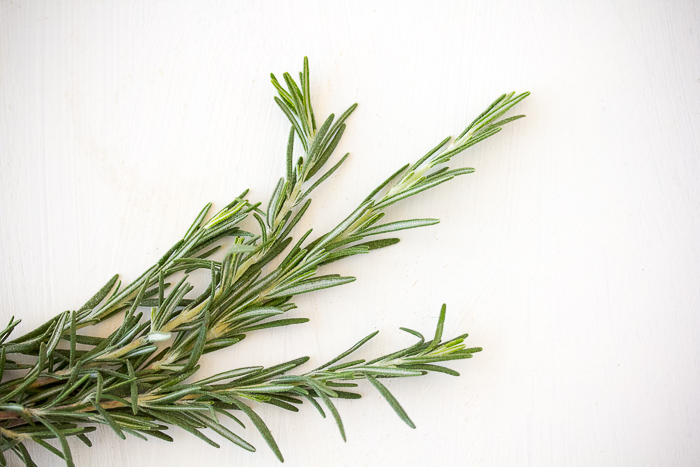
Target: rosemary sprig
x=76, y=381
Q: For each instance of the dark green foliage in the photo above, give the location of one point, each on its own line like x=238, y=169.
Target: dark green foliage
x=75, y=381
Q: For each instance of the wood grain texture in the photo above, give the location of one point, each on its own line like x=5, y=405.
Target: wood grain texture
x=571, y=255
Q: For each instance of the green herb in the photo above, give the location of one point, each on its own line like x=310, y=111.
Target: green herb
x=136, y=387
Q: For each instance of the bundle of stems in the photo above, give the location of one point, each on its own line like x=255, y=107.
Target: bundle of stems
x=142, y=378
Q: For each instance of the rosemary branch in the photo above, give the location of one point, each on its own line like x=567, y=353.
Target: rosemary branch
x=130, y=383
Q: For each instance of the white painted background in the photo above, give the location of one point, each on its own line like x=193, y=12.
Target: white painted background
x=571, y=255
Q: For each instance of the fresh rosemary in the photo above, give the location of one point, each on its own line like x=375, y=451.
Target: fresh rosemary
x=72, y=381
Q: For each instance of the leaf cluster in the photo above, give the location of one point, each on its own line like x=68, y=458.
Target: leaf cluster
x=142, y=378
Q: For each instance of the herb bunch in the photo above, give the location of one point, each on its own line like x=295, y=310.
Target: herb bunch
x=142, y=378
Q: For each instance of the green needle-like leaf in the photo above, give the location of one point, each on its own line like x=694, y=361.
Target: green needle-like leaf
x=400, y=225
x=322, y=282
x=391, y=400
x=262, y=428
x=334, y=412
x=109, y=420
x=438, y=329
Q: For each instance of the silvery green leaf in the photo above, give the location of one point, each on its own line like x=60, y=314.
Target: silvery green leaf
x=264, y=389
x=400, y=225
x=264, y=312
x=322, y=282
x=392, y=401
x=382, y=371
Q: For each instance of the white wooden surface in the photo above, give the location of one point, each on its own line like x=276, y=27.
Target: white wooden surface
x=571, y=255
